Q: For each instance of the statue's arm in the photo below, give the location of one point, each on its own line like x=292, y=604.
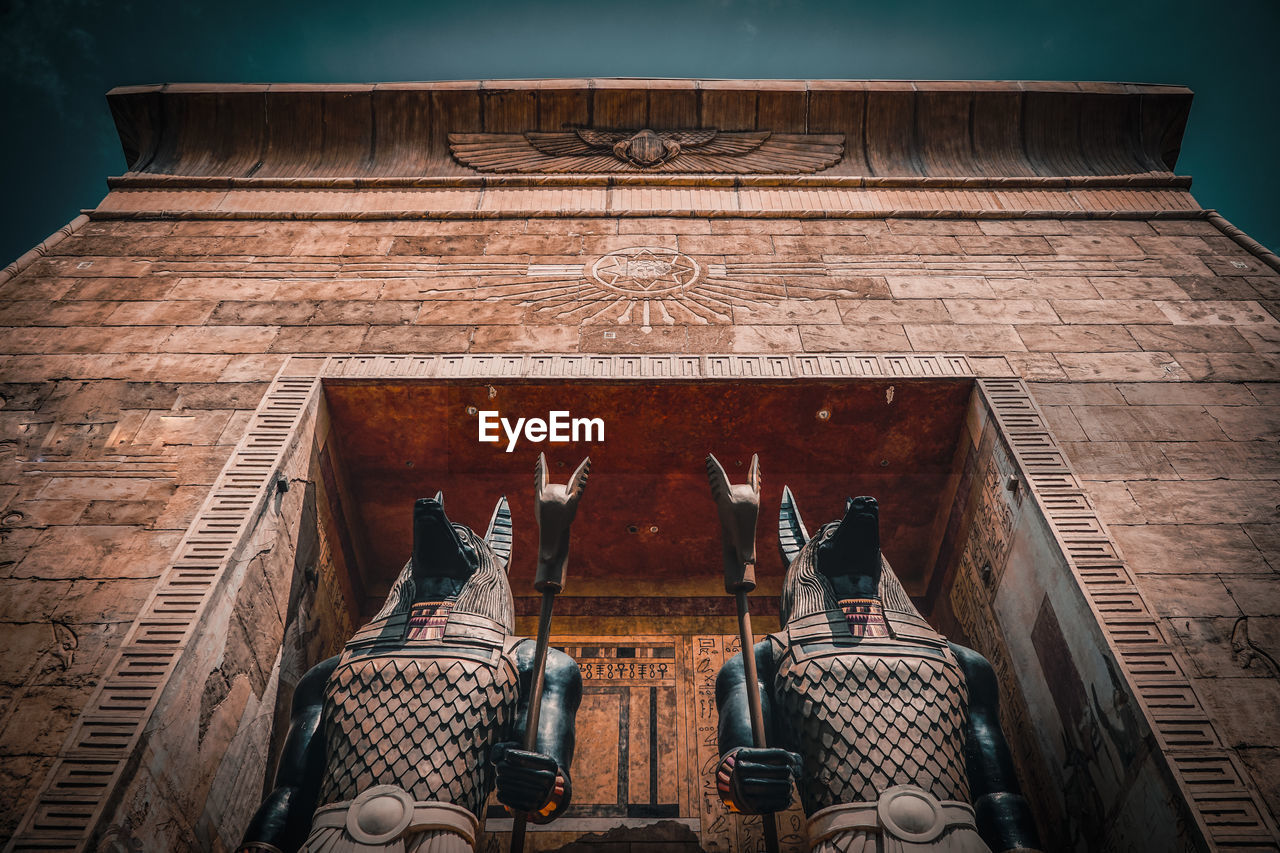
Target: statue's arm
x=731, y=699
x=1003, y=815
x=538, y=783
x=750, y=779
x=284, y=818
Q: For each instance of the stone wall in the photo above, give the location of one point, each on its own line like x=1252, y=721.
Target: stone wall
x=135, y=352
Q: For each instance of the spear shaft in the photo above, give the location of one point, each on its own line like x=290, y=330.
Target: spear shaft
x=748, y=642
x=535, y=701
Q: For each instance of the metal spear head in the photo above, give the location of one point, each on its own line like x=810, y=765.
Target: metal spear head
x=738, y=508
x=554, y=507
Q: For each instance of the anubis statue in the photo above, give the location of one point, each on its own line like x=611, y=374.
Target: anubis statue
x=396, y=743
x=889, y=731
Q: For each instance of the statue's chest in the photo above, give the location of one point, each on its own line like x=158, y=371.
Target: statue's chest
x=871, y=715
x=423, y=721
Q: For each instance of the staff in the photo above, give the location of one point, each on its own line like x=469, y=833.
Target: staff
x=738, y=508
x=554, y=507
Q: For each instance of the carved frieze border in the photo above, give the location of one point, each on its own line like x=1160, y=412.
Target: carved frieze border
x=77, y=790
x=1218, y=794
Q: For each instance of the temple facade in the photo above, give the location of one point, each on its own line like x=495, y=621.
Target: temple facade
x=994, y=306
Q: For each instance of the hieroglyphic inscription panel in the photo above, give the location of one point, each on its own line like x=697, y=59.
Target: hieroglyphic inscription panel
x=646, y=757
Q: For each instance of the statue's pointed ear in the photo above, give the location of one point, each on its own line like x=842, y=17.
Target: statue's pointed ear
x=540, y=474
x=578, y=481
x=792, y=534
x=717, y=477
x=499, y=533
x=753, y=474
x=440, y=497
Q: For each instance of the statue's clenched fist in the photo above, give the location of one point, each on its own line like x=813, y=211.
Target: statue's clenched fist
x=756, y=781
x=528, y=783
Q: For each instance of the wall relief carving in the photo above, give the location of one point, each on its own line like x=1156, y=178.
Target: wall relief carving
x=648, y=151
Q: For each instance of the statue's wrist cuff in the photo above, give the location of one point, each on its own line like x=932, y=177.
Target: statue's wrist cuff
x=724, y=779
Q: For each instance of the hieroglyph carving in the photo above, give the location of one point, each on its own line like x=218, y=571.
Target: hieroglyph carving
x=648, y=151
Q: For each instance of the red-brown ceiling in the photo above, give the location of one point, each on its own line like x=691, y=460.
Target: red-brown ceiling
x=398, y=441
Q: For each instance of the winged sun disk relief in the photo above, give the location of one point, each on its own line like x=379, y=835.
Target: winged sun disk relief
x=681, y=151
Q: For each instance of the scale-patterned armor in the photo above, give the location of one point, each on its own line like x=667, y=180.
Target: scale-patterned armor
x=387, y=716
x=864, y=720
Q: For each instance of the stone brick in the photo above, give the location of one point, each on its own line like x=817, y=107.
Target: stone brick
x=1120, y=366
x=1243, y=709
x=1248, y=423
x=1076, y=393
x=602, y=244
x=444, y=244
x=1194, y=597
x=1109, y=312
x=167, y=313
x=220, y=339
x=1035, y=366
x=1043, y=287
x=1001, y=227
x=1114, y=502
x=814, y=246
x=1229, y=366
x=633, y=339
x=271, y=313
x=1135, y=287
x=880, y=311
x=540, y=245
x=1267, y=393
x=746, y=339
x=1004, y=245
x=867, y=337
x=508, y=339
x=222, y=289
x=1000, y=311
x=96, y=552
x=1147, y=423
x=1207, y=313
x=935, y=287
x=725, y=244
x=1253, y=595
x=1184, y=394
x=41, y=313
x=660, y=225
x=1181, y=549
x=1118, y=460
x=220, y=395
x=191, y=427
x=1189, y=338
x=255, y=367
x=456, y=313
x=939, y=338
x=935, y=227
x=1093, y=244
x=1076, y=338
x=1262, y=338
x=1062, y=423
x=1212, y=460
x=789, y=311
x=1209, y=502
x=1263, y=764
x=412, y=338
x=295, y=339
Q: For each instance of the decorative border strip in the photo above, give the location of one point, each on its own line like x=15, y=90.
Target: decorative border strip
x=1219, y=794
x=77, y=790
x=1150, y=180
x=527, y=202
x=615, y=367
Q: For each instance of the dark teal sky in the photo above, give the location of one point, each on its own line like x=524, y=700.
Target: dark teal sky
x=59, y=57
